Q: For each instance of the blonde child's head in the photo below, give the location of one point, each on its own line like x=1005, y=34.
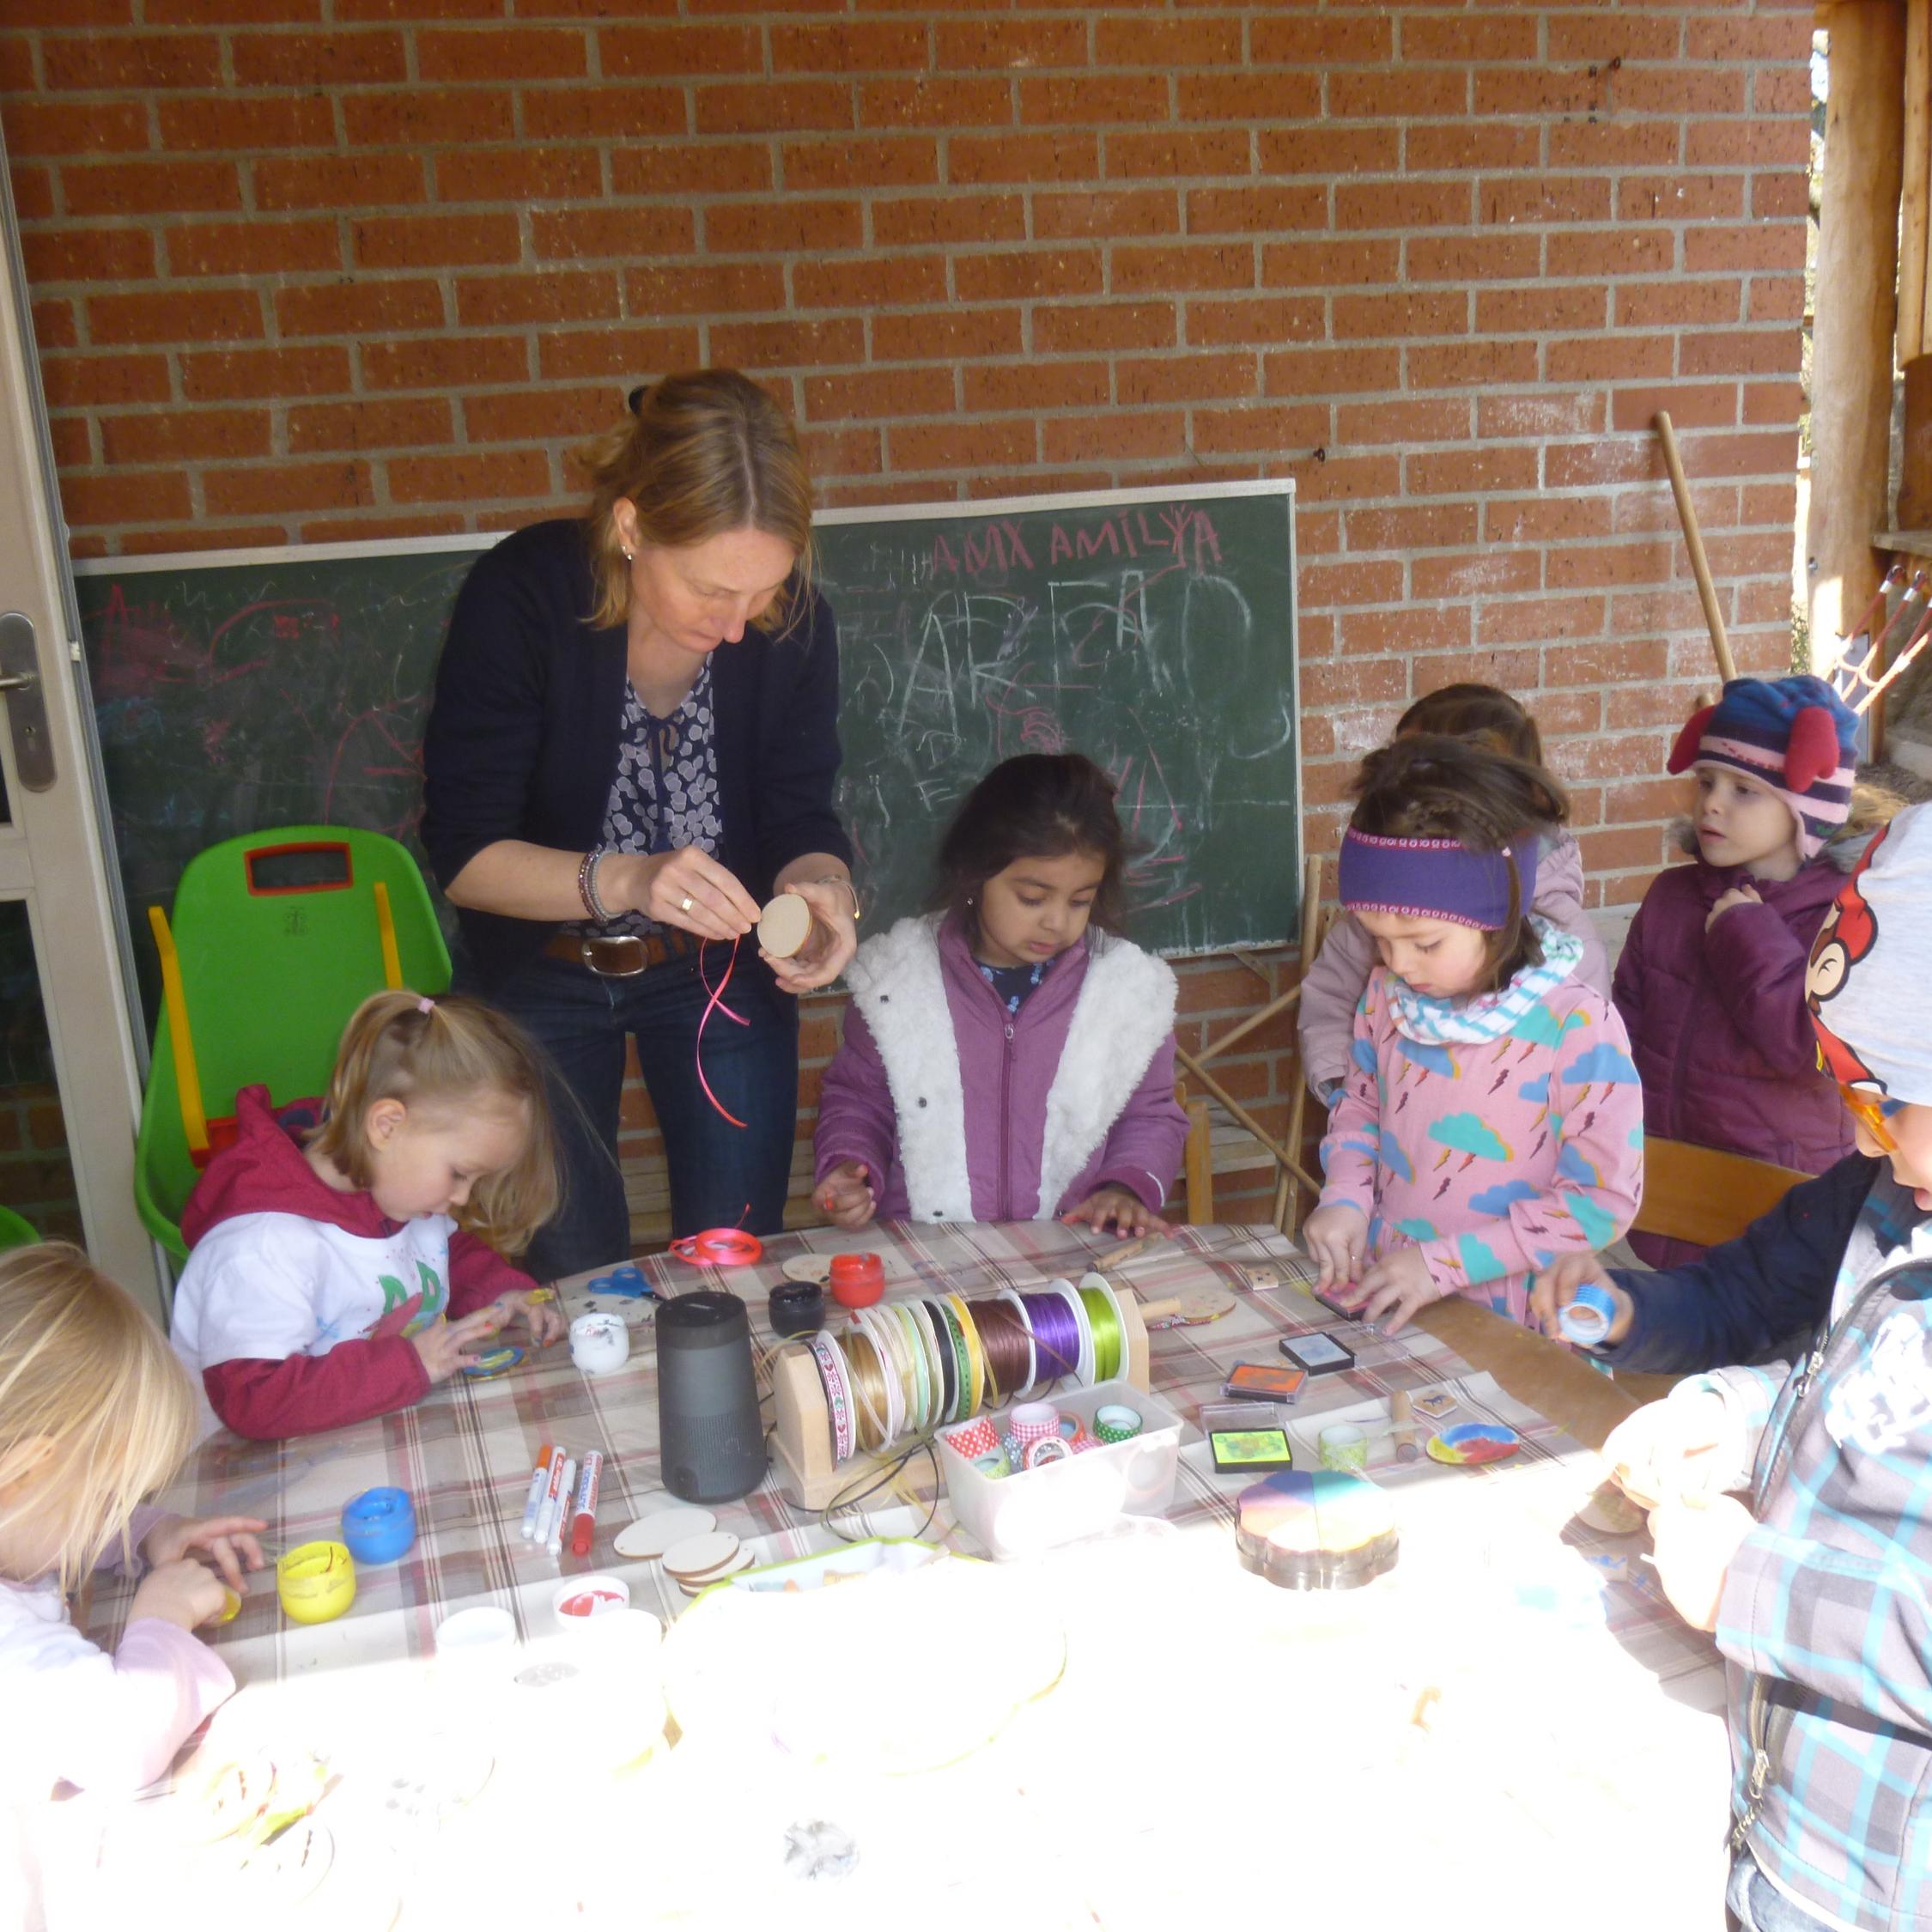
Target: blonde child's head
x=437, y=1106
x=95, y=1412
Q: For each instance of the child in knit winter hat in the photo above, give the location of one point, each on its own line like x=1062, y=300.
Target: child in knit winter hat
x=1710, y=983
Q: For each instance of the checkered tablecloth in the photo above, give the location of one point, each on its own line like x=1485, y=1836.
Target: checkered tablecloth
x=1213, y=1742
x=466, y=1451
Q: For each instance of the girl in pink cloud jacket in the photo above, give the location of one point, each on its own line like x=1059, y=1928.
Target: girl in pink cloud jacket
x=1491, y=1120
x=1008, y=1056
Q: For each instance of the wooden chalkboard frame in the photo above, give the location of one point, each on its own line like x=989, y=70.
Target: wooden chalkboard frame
x=1280, y=910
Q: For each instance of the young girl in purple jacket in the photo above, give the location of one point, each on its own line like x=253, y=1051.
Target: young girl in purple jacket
x=1711, y=982
x=1008, y=1056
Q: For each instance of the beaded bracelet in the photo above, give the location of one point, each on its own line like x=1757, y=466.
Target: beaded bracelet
x=586, y=885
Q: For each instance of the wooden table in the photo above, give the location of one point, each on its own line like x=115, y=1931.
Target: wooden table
x=1212, y=1743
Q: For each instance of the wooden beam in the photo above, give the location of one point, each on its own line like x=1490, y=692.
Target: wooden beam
x=1913, y=206
x=1856, y=307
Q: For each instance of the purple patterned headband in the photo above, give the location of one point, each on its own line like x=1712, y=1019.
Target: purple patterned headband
x=1434, y=878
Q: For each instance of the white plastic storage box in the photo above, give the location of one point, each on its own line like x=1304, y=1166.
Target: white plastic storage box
x=1030, y=1510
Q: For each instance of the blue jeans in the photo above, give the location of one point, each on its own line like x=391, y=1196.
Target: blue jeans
x=1760, y=1906
x=721, y=1175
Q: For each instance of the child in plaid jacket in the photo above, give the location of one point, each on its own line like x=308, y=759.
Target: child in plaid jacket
x=1818, y=1590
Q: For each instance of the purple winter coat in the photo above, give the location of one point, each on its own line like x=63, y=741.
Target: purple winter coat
x=1717, y=1021
x=948, y=1110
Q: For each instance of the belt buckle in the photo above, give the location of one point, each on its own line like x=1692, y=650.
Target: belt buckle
x=627, y=939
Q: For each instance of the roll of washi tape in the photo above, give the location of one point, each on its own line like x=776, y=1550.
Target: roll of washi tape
x=973, y=1439
x=856, y=1281
x=1113, y=1422
x=316, y=1582
x=378, y=1526
x=1068, y=1427
x=720, y=1248
x=1586, y=1320
x=1344, y=1447
x=993, y=1465
x=1031, y=1421
x=1046, y=1449
x=1011, y=1447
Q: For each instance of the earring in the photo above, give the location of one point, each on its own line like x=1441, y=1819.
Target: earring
x=627, y=557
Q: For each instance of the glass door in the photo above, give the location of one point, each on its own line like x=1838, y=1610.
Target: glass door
x=70, y=1074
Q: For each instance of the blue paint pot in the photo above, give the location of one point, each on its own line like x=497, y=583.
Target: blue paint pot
x=378, y=1526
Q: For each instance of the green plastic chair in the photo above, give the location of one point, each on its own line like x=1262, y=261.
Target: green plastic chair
x=15, y=1231
x=277, y=940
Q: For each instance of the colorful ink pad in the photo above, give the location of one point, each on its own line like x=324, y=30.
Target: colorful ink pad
x=1316, y=1530
x=1470, y=1445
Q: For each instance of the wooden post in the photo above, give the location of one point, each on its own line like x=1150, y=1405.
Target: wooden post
x=1856, y=304
x=1913, y=204
x=1287, y=1203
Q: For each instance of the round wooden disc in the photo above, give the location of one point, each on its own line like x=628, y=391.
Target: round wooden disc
x=651, y=1536
x=698, y=1556
x=807, y=1267
x=784, y=925
x=1197, y=1306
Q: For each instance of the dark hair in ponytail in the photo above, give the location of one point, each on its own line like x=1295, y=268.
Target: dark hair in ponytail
x=1040, y=805
x=1433, y=787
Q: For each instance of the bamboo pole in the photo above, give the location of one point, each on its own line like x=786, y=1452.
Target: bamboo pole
x=1693, y=540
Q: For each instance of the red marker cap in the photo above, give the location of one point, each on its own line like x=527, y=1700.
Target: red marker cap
x=583, y=1528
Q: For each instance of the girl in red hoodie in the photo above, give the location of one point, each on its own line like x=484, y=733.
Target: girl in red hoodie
x=341, y=1279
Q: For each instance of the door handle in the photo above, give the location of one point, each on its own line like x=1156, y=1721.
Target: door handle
x=26, y=703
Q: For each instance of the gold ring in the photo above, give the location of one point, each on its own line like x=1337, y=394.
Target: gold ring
x=686, y=905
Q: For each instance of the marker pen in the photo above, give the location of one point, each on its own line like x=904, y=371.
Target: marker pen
x=539, y=1482
x=583, y=1524
x=553, y=1541
x=551, y=1504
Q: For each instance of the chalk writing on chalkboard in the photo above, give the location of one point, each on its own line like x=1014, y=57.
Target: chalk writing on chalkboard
x=1155, y=635
x=1152, y=630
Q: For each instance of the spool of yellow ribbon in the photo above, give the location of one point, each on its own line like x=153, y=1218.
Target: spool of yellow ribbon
x=316, y=1582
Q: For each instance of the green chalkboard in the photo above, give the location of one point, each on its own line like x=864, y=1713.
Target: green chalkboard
x=1154, y=630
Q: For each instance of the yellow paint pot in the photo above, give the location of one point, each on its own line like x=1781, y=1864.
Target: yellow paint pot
x=231, y=1606
x=316, y=1582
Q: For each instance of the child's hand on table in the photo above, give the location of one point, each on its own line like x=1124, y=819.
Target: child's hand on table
x=182, y=1593
x=1666, y=1448
x=1393, y=1288
x=1696, y=1541
x=230, y=1540
x=845, y=1194
x=446, y=1346
x=545, y=1321
x=1337, y=1240
x=1119, y=1207
x=1555, y=1288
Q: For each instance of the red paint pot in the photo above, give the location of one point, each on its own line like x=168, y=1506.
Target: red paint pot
x=857, y=1280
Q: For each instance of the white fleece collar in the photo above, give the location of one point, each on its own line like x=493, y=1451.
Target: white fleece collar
x=1124, y=1010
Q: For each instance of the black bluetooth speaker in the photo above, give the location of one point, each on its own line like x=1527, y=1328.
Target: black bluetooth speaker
x=711, y=1441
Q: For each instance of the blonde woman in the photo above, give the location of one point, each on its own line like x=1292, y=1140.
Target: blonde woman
x=634, y=743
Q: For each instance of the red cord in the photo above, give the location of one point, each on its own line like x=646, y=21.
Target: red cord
x=716, y=1003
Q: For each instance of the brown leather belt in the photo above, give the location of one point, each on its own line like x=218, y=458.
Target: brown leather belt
x=620, y=956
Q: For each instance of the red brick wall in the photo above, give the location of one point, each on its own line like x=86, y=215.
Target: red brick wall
x=314, y=269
